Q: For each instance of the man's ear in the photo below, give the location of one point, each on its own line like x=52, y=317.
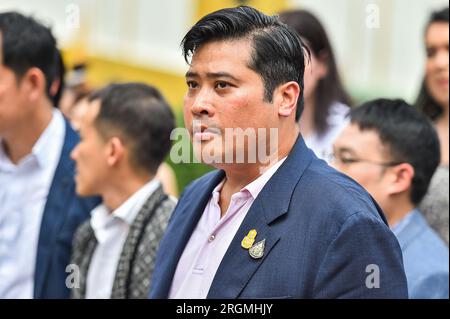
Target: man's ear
x=115, y=152
x=286, y=96
x=401, y=178
x=34, y=84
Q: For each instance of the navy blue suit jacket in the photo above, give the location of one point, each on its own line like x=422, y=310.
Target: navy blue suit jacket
x=323, y=235
x=64, y=211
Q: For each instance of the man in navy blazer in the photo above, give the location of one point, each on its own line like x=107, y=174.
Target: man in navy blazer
x=39, y=210
x=285, y=225
x=64, y=212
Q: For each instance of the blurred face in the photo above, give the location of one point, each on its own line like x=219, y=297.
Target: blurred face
x=437, y=38
x=360, y=155
x=78, y=111
x=12, y=109
x=66, y=102
x=223, y=92
x=90, y=155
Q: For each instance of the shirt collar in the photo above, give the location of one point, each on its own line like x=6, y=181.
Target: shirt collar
x=131, y=207
x=397, y=229
x=127, y=212
x=5, y=162
x=42, y=148
x=255, y=187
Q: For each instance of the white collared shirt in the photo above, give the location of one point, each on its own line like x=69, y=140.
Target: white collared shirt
x=111, y=231
x=24, y=190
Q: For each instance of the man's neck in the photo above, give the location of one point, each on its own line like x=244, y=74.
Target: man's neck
x=397, y=210
x=120, y=189
x=19, y=142
x=446, y=112
x=239, y=176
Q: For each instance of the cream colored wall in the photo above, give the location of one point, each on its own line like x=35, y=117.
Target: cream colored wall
x=377, y=61
x=127, y=40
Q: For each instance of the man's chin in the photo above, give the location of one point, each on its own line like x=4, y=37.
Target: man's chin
x=84, y=192
x=209, y=156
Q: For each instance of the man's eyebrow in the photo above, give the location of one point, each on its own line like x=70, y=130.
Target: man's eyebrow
x=212, y=75
x=345, y=149
x=190, y=74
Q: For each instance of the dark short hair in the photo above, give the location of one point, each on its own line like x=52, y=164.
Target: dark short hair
x=330, y=88
x=61, y=72
x=425, y=102
x=278, y=53
x=439, y=16
x=26, y=44
x=140, y=115
x=409, y=136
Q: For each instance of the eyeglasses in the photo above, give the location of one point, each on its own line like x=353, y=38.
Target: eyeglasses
x=350, y=161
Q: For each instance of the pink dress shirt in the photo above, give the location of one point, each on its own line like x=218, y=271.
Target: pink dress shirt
x=212, y=236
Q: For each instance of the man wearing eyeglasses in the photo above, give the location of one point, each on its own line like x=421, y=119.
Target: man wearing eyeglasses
x=393, y=151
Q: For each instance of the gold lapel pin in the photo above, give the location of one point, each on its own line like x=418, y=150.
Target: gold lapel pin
x=257, y=250
x=248, y=240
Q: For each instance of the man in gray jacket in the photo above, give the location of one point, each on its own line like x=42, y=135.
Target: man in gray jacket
x=125, y=136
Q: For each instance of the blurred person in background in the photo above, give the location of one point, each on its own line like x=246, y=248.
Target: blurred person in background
x=76, y=88
x=392, y=150
x=78, y=110
x=165, y=173
x=75, y=104
x=326, y=101
x=39, y=209
x=433, y=101
x=125, y=135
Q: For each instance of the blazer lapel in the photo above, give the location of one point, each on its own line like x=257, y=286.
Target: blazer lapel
x=55, y=210
x=237, y=266
x=178, y=233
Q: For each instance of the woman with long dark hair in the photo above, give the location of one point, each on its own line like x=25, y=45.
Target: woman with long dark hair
x=433, y=100
x=326, y=101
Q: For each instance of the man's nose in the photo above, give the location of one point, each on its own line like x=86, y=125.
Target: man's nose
x=203, y=104
x=441, y=59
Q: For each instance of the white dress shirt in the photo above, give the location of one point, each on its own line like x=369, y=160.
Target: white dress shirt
x=111, y=231
x=23, y=193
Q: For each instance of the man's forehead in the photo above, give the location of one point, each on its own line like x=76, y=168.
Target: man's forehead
x=92, y=111
x=361, y=140
x=93, y=107
x=220, y=51
x=225, y=44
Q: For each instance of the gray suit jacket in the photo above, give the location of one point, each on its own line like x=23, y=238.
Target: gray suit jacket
x=136, y=263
